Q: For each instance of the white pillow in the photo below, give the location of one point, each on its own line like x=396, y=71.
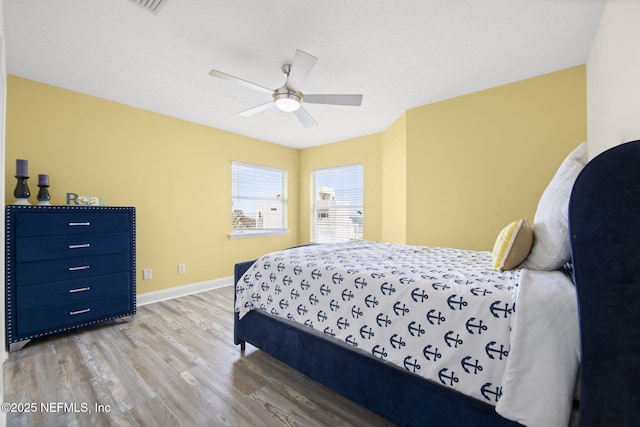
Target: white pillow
x=551, y=248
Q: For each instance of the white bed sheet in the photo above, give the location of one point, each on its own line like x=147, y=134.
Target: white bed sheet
x=542, y=368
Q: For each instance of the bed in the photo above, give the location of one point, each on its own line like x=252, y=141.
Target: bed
x=557, y=277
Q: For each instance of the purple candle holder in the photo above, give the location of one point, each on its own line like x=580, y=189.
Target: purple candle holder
x=22, y=193
x=43, y=195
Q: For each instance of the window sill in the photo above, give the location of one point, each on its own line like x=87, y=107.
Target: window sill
x=258, y=233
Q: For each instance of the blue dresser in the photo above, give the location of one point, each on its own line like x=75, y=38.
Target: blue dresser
x=67, y=267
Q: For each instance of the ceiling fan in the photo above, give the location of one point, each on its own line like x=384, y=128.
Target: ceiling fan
x=288, y=98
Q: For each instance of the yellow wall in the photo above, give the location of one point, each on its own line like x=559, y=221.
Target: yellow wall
x=366, y=150
x=177, y=174
x=452, y=173
x=480, y=161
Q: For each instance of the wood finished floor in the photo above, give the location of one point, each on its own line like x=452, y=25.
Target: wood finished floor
x=175, y=364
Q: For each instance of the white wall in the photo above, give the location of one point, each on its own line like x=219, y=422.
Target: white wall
x=613, y=78
x=3, y=86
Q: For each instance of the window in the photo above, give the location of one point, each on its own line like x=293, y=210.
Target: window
x=337, y=204
x=259, y=200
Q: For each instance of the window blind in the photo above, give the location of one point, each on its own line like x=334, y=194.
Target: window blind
x=338, y=204
x=259, y=200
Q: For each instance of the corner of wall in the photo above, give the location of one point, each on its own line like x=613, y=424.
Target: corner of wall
x=394, y=182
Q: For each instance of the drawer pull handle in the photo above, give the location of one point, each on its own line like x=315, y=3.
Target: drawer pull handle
x=73, y=291
x=81, y=267
x=73, y=313
x=76, y=224
x=82, y=245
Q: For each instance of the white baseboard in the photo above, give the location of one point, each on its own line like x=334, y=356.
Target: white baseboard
x=181, y=291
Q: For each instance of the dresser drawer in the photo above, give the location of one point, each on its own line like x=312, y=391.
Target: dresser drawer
x=35, y=296
x=78, y=221
x=49, y=318
x=30, y=273
x=55, y=247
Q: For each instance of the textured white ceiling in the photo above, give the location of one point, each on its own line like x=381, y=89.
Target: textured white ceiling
x=398, y=54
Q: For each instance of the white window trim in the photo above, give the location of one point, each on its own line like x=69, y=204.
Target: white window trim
x=243, y=234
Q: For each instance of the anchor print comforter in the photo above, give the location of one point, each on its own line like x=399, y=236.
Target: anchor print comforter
x=440, y=313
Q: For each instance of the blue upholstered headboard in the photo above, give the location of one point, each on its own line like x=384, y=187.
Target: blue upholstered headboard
x=604, y=221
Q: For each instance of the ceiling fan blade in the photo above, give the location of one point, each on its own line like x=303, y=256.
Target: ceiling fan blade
x=225, y=76
x=353, y=100
x=300, y=69
x=257, y=109
x=305, y=118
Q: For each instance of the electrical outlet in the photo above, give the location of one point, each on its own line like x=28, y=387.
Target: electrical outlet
x=146, y=274
x=180, y=268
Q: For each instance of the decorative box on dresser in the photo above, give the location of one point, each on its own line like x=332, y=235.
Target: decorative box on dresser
x=67, y=267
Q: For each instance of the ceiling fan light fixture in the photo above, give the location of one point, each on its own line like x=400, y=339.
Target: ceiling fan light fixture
x=287, y=101
x=288, y=98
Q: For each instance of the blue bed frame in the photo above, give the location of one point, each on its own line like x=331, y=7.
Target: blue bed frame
x=604, y=220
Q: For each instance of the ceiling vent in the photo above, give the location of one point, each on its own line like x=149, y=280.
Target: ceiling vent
x=152, y=6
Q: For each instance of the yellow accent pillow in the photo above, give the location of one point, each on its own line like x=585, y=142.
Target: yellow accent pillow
x=512, y=245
